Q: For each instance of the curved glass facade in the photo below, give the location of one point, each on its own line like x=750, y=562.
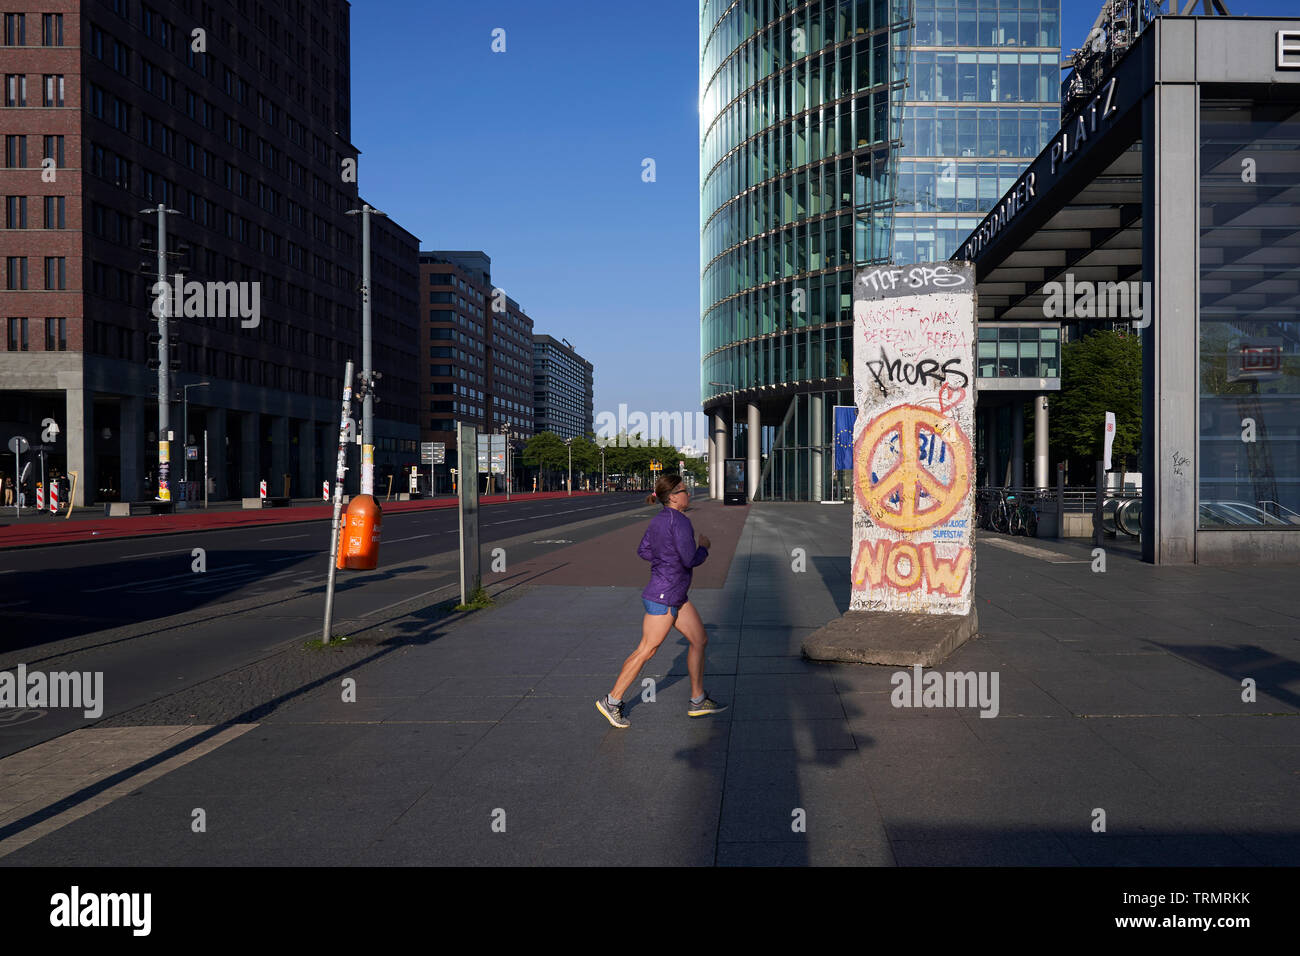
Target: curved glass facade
x=810, y=113
x=796, y=184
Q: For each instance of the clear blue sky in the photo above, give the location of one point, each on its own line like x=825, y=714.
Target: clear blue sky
x=535, y=156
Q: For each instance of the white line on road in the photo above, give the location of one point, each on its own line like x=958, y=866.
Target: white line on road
x=413, y=538
x=287, y=537
x=152, y=582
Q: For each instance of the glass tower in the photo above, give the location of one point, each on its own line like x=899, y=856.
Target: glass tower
x=836, y=134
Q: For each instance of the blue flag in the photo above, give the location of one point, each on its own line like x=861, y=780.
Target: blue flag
x=845, y=418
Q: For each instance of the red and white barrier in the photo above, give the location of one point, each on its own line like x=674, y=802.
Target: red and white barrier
x=54, y=498
x=325, y=491
x=40, y=496
x=263, y=488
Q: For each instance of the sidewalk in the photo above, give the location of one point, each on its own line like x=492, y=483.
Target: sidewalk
x=475, y=740
x=89, y=523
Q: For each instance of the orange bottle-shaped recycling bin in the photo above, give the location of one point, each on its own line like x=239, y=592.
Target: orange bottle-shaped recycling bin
x=359, y=537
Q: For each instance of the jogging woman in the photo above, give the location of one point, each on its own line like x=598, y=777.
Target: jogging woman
x=669, y=546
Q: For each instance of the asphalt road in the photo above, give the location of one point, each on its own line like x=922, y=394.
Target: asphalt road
x=137, y=612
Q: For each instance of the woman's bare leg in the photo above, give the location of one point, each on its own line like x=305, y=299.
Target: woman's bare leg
x=654, y=628
x=692, y=628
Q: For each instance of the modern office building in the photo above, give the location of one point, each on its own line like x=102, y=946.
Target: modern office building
x=395, y=324
x=836, y=135
x=236, y=116
x=1174, y=175
x=479, y=369
x=563, y=392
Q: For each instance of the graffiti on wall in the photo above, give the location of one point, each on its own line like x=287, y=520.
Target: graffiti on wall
x=913, y=455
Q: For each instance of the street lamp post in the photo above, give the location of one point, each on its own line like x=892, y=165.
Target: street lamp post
x=185, y=425
x=731, y=431
x=367, y=374
x=505, y=430
x=162, y=311
x=602, y=469
x=569, y=444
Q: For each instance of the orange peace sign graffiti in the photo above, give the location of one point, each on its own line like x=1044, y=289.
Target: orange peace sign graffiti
x=894, y=499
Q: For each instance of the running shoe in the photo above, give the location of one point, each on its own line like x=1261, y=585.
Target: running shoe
x=705, y=707
x=613, y=713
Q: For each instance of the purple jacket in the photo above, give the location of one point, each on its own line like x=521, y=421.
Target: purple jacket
x=669, y=546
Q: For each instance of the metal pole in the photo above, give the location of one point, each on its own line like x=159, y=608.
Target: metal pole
x=164, y=365
x=185, y=434
x=339, y=470
x=1060, y=501
x=43, y=467
x=732, y=443
x=18, y=484
x=570, y=469
x=1096, y=511
x=205, y=469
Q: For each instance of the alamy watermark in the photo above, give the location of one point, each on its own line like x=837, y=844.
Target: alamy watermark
x=83, y=690
x=1098, y=300
x=679, y=429
x=208, y=300
x=953, y=689
x=76, y=909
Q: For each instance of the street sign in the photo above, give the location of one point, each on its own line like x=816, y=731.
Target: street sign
x=433, y=452
x=191, y=452
x=18, y=444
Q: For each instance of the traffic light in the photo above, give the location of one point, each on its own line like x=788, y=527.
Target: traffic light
x=173, y=352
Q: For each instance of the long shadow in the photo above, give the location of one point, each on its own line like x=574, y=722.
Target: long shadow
x=761, y=778
x=1271, y=672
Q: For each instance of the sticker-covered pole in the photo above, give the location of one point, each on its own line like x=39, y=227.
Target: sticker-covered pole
x=339, y=471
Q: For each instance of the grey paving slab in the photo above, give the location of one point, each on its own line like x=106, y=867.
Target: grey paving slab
x=495, y=712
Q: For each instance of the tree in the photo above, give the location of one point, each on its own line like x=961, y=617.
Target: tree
x=1100, y=373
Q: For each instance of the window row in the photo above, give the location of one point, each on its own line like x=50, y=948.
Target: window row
x=810, y=301
x=984, y=77
x=16, y=29
x=977, y=131
x=56, y=211
x=825, y=134
x=56, y=273
x=56, y=334
x=817, y=81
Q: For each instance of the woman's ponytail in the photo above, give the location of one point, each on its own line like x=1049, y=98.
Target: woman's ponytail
x=664, y=489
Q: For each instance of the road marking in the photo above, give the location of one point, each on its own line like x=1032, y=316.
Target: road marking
x=152, y=554
x=413, y=538
x=157, y=583
x=288, y=537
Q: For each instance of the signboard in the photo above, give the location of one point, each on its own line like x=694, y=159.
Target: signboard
x=191, y=452
x=913, y=457
x=433, y=452
x=733, y=481
x=492, y=454
x=471, y=574
x=1255, y=359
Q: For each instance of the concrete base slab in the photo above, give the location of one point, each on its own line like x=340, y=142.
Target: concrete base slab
x=891, y=638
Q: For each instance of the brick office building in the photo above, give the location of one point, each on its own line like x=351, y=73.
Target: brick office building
x=237, y=116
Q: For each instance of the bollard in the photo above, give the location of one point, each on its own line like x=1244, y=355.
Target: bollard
x=40, y=496
x=262, y=489
x=54, y=497
x=325, y=490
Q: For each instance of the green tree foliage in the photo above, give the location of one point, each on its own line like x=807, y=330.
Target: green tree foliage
x=1100, y=373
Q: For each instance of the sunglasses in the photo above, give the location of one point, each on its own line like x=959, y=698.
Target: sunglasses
x=681, y=491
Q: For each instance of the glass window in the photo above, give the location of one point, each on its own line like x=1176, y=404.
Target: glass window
x=1249, y=339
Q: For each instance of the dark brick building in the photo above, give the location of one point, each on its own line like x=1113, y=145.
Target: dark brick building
x=237, y=116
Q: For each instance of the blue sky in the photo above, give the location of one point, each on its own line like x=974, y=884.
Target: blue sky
x=535, y=156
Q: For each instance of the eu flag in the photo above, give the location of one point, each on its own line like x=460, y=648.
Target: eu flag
x=845, y=417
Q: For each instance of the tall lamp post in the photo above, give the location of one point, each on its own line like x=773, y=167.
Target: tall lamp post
x=505, y=430
x=602, y=469
x=731, y=431
x=568, y=442
x=185, y=426
x=367, y=374
x=162, y=312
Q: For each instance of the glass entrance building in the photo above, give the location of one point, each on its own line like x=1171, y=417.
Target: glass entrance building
x=836, y=134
